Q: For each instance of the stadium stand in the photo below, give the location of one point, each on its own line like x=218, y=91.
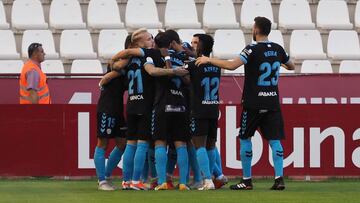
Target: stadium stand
x=349, y=66
x=316, y=66
x=76, y=44
x=11, y=66
x=43, y=37
x=187, y=16
x=175, y=12
x=104, y=14
x=52, y=66
x=86, y=66
x=228, y=43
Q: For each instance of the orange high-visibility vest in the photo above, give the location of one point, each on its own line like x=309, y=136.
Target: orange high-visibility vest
x=43, y=89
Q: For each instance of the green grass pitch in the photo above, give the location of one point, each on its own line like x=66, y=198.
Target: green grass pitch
x=53, y=191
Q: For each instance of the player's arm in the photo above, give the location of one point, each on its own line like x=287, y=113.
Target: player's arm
x=125, y=54
x=224, y=64
x=156, y=71
x=289, y=65
x=108, y=77
x=165, y=53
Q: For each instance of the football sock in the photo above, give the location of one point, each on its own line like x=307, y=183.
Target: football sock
x=139, y=160
x=203, y=161
x=183, y=163
x=99, y=160
x=145, y=171
x=171, y=161
x=212, y=159
x=218, y=160
x=128, y=161
x=194, y=164
x=151, y=161
x=246, y=156
x=160, y=163
x=278, y=156
x=113, y=161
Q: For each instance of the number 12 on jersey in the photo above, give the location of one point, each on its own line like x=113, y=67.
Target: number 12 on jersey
x=211, y=87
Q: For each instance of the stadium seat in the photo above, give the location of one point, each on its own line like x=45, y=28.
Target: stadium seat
x=66, y=14
x=175, y=13
x=286, y=71
x=111, y=42
x=3, y=23
x=316, y=66
x=76, y=44
x=357, y=15
x=186, y=35
x=276, y=36
x=228, y=43
x=11, y=66
x=28, y=14
x=149, y=15
x=295, y=14
x=253, y=8
x=306, y=44
x=104, y=14
x=349, y=66
x=86, y=66
x=219, y=14
x=52, y=66
x=154, y=32
x=343, y=44
x=43, y=37
x=333, y=15
x=8, y=45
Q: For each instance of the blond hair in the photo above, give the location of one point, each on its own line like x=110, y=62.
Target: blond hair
x=137, y=35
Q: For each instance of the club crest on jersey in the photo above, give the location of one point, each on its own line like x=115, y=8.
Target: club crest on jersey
x=108, y=131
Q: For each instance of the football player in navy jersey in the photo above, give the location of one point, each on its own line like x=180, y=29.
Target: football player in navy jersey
x=260, y=100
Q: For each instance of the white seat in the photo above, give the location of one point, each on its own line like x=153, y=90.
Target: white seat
x=316, y=66
x=86, y=66
x=333, y=15
x=175, y=13
x=349, y=66
x=111, y=42
x=239, y=70
x=43, y=37
x=154, y=32
x=186, y=35
x=148, y=17
x=28, y=14
x=76, y=44
x=277, y=37
x=306, y=44
x=66, y=14
x=286, y=71
x=8, y=45
x=343, y=44
x=357, y=15
x=219, y=14
x=228, y=43
x=3, y=23
x=52, y=66
x=253, y=8
x=295, y=14
x=11, y=66
x=104, y=14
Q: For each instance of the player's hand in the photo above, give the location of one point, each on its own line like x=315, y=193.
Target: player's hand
x=202, y=60
x=180, y=71
x=164, y=52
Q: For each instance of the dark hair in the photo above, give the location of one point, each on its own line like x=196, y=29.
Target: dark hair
x=196, y=35
x=263, y=24
x=162, y=40
x=32, y=48
x=174, y=36
x=207, y=43
x=127, y=43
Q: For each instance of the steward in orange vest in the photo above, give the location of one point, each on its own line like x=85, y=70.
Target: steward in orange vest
x=33, y=82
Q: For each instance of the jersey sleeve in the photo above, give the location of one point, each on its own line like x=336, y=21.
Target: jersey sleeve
x=284, y=56
x=154, y=57
x=246, y=54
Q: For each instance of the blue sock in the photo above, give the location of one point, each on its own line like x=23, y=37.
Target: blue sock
x=212, y=159
x=171, y=161
x=183, y=163
x=99, y=160
x=145, y=172
x=278, y=156
x=139, y=160
x=194, y=164
x=218, y=160
x=160, y=163
x=151, y=161
x=113, y=161
x=203, y=160
x=216, y=171
x=128, y=161
x=246, y=156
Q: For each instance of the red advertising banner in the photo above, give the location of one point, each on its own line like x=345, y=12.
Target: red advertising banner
x=299, y=89
x=59, y=140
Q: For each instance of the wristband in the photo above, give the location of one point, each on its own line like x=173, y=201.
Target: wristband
x=167, y=58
